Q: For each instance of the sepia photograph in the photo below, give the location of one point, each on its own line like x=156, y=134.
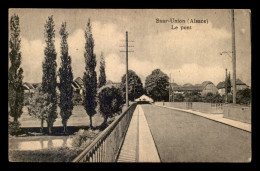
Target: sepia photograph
x=129, y=85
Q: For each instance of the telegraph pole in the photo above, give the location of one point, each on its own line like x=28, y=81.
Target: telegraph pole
x=233, y=56
x=134, y=88
x=126, y=76
x=126, y=82
x=170, y=88
x=226, y=92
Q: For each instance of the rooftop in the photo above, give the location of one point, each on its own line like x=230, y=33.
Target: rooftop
x=222, y=84
x=190, y=87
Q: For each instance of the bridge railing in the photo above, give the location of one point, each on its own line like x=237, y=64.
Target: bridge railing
x=106, y=146
x=214, y=108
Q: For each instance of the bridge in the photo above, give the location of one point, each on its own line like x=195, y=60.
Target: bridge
x=153, y=133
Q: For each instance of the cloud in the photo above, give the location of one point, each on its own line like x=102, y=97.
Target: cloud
x=114, y=68
x=194, y=74
x=76, y=42
x=106, y=38
x=32, y=57
x=190, y=56
x=175, y=48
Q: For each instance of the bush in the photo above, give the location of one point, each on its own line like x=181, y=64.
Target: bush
x=83, y=138
x=62, y=154
x=178, y=98
x=244, y=96
x=27, y=96
x=218, y=98
x=110, y=101
x=14, y=128
x=230, y=98
x=209, y=98
x=77, y=99
x=193, y=96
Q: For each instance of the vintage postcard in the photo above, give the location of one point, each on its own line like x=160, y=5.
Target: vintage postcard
x=129, y=85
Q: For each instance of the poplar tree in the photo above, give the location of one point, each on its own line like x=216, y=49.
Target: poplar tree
x=15, y=73
x=102, y=76
x=229, y=83
x=66, y=79
x=49, y=77
x=90, y=76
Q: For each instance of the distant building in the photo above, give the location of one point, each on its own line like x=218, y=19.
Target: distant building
x=204, y=88
x=208, y=87
x=144, y=98
x=116, y=84
x=187, y=85
x=221, y=88
x=28, y=87
x=36, y=85
x=78, y=85
x=240, y=85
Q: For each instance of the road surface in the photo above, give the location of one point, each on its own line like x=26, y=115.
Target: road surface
x=184, y=137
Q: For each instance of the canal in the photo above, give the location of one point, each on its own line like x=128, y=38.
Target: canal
x=39, y=142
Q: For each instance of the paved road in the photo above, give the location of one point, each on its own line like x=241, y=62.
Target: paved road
x=183, y=137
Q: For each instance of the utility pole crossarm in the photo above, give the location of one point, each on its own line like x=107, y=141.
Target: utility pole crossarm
x=125, y=46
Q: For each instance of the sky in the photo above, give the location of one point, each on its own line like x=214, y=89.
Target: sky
x=189, y=56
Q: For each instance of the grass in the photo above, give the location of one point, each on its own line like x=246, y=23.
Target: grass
x=79, y=117
x=63, y=154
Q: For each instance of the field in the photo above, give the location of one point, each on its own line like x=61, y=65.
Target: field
x=79, y=117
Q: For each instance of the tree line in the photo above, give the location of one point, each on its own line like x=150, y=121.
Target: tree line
x=43, y=103
x=96, y=93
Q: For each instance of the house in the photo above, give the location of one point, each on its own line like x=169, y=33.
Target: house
x=221, y=88
x=36, y=85
x=208, y=87
x=28, y=88
x=204, y=88
x=187, y=85
x=240, y=85
x=79, y=82
x=78, y=85
x=174, y=85
x=116, y=84
x=144, y=98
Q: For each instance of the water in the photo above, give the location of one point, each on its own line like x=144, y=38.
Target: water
x=39, y=142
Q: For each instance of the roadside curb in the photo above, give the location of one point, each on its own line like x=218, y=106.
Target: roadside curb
x=192, y=112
